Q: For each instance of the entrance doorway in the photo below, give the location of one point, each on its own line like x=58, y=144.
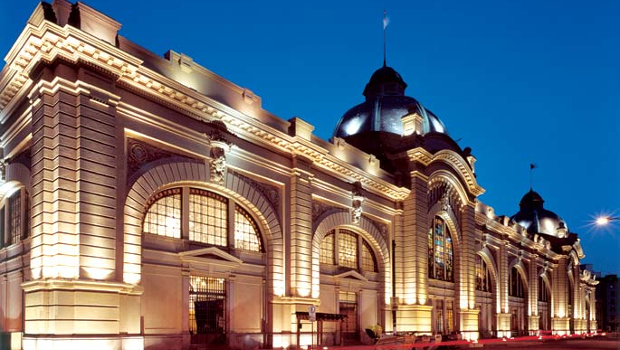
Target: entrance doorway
x=207, y=307
x=348, y=307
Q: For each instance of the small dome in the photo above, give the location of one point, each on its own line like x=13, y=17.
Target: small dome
x=536, y=219
x=384, y=107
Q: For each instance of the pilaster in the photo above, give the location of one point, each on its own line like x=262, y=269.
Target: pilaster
x=415, y=318
x=503, y=324
x=301, y=229
x=533, y=325
x=468, y=320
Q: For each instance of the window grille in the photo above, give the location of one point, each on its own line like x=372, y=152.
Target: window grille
x=327, y=250
x=246, y=231
x=347, y=249
x=369, y=261
x=164, y=214
x=483, y=275
x=208, y=217
x=15, y=221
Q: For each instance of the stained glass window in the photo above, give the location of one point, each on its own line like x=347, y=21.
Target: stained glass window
x=440, y=251
x=246, y=231
x=164, y=215
x=208, y=217
x=326, y=255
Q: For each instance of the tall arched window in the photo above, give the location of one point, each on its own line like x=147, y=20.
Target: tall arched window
x=543, y=291
x=440, y=251
x=348, y=250
x=517, y=287
x=207, y=219
x=483, y=275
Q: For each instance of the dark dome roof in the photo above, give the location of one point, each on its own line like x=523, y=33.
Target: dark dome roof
x=536, y=219
x=384, y=107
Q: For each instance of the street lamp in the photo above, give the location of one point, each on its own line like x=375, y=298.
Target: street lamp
x=604, y=220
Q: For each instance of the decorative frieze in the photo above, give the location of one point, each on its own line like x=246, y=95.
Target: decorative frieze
x=140, y=153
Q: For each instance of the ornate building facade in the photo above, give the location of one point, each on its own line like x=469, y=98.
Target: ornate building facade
x=148, y=203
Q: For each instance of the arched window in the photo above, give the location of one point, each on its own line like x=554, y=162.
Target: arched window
x=517, y=287
x=246, y=231
x=348, y=250
x=483, y=275
x=164, y=215
x=440, y=252
x=543, y=292
x=326, y=255
x=206, y=219
x=369, y=261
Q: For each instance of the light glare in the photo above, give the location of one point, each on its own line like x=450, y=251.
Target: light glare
x=602, y=220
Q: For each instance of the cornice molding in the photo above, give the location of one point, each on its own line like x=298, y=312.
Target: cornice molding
x=50, y=41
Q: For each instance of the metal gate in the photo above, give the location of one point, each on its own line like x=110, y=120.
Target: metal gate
x=207, y=310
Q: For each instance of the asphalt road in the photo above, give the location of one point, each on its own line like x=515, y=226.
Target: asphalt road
x=593, y=344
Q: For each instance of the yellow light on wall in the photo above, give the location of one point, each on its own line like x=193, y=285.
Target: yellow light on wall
x=98, y=273
x=278, y=288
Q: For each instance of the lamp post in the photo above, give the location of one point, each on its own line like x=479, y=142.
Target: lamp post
x=604, y=220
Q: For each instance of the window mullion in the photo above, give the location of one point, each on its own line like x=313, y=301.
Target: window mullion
x=359, y=252
x=185, y=213
x=22, y=213
x=336, y=247
x=230, y=229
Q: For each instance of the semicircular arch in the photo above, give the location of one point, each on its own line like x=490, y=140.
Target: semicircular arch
x=366, y=228
x=164, y=175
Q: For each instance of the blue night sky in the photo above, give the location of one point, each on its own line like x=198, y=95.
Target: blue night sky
x=518, y=81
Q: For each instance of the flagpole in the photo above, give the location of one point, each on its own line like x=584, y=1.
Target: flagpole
x=384, y=38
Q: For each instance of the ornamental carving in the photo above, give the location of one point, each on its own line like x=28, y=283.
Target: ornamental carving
x=218, y=164
x=318, y=209
x=220, y=143
x=445, y=202
x=140, y=153
x=357, y=197
x=270, y=192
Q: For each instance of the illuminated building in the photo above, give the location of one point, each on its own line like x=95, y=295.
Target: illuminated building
x=149, y=203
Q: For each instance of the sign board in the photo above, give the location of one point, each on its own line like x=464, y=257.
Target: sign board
x=312, y=313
